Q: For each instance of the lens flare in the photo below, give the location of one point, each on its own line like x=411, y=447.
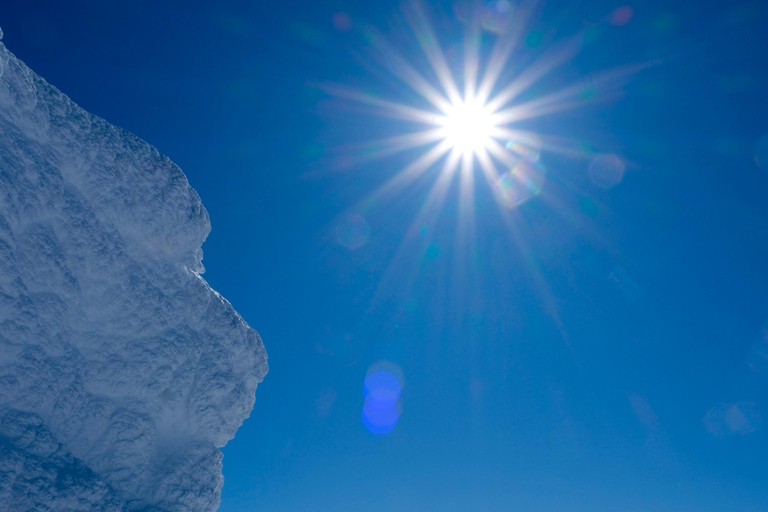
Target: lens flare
x=380, y=416
x=352, y=231
x=381, y=389
x=606, y=171
x=521, y=183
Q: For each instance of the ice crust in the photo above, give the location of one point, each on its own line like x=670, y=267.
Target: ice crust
x=122, y=372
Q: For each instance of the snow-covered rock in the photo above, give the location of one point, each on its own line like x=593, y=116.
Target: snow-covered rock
x=122, y=372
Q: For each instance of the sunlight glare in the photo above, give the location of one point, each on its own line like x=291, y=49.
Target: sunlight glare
x=468, y=126
x=471, y=118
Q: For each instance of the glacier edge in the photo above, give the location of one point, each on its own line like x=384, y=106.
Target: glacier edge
x=122, y=372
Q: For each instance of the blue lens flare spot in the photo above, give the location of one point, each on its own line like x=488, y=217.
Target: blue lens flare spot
x=382, y=385
x=380, y=416
x=382, y=388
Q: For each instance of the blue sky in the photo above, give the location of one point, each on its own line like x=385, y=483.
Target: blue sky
x=592, y=349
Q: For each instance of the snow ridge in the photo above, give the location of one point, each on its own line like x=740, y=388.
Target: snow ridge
x=122, y=372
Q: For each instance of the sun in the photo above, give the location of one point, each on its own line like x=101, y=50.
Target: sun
x=471, y=117
x=468, y=126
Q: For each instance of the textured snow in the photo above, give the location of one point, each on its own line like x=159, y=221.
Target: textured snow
x=122, y=372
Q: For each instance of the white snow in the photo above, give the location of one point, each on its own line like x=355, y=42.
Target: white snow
x=122, y=372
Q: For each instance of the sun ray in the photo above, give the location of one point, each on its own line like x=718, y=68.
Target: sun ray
x=500, y=56
x=534, y=273
x=501, y=153
x=387, y=108
x=412, y=78
x=471, y=59
x=465, y=220
x=412, y=172
x=438, y=193
x=421, y=27
x=564, y=99
x=539, y=142
x=491, y=175
x=466, y=191
x=532, y=74
x=388, y=146
x=427, y=215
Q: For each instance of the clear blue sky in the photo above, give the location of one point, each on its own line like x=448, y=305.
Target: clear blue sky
x=604, y=351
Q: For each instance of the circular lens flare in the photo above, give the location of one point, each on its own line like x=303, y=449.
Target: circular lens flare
x=521, y=183
x=468, y=126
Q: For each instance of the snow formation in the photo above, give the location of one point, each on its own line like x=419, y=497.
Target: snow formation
x=122, y=372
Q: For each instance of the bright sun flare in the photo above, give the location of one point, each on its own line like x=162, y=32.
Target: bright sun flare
x=475, y=123
x=468, y=126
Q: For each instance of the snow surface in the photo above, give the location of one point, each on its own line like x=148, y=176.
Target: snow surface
x=122, y=372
